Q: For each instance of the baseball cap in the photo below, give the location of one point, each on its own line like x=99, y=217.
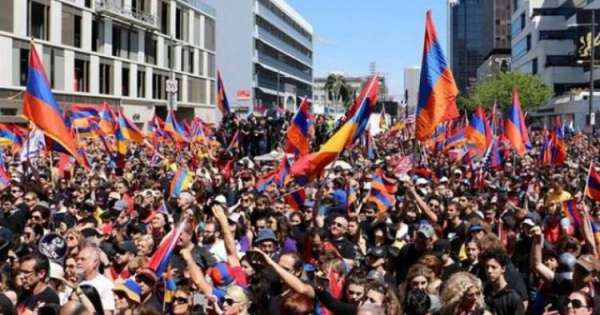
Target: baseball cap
x=120, y=205
x=426, y=230
x=475, y=228
x=56, y=271
x=265, y=235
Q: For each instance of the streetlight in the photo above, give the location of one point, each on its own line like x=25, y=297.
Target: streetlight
x=171, y=84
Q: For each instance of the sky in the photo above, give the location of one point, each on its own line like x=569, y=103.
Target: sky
x=350, y=34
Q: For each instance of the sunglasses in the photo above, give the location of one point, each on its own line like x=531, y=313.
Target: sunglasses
x=230, y=301
x=180, y=300
x=35, y=217
x=575, y=303
x=29, y=199
x=338, y=224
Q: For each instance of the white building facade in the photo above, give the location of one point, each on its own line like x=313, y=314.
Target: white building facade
x=117, y=51
x=265, y=53
x=412, y=77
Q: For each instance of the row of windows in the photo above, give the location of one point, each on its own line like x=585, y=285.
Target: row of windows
x=124, y=38
x=518, y=25
x=273, y=8
x=262, y=23
x=54, y=61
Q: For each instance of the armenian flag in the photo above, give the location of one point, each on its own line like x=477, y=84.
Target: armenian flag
x=382, y=190
x=267, y=179
x=296, y=198
x=593, y=184
x=437, y=89
x=129, y=130
x=455, y=139
x=161, y=257
x=559, y=148
x=107, y=119
x=180, y=182
x=42, y=110
x=9, y=138
x=478, y=130
x=570, y=212
x=222, y=102
x=515, y=129
x=198, y=134
x=297, y=133
x=174, y=129
x=4, y=177
x=310, y=165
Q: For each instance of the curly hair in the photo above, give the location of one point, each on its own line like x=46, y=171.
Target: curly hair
x=455, y=289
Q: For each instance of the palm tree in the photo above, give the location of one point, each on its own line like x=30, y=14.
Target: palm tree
x=338, y=90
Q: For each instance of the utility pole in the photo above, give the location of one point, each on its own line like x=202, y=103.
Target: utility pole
x=592, y=67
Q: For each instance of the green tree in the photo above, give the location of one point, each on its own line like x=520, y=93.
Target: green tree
x=533, y=92
x=338, y=91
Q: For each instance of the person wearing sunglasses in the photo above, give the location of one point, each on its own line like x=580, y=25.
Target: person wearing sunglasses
x=127, y=297
x=578, y=303
x=236, y=301
x=182, y=301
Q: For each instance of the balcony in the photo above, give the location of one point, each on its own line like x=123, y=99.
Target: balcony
x=286, y=69
x=281, y=45
x=116, y=9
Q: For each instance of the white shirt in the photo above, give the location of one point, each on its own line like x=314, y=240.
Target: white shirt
x=104, y=287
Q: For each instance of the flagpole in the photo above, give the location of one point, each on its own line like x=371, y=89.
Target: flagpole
x=585, y=190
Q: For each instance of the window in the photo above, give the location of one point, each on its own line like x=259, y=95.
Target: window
x=23, y=66
x=209, y=34
x=54, y=62
x=534, y=66
x=197, y=34
x=170, y=62
x=71, y=26
x=105, y=76
x=521, y=48
x=191, y=61
x=164, y=17
x=178, y=23
x=158, y=85
x=196, y=90
x=125, y=80
x=97, y=34
x=6, y=16
x=518, y=25
x=88, y=3
x=141, y=84
x=82, y=74
x=39, y=19
x=150, y=47
x=211, y=65
x=116, y=44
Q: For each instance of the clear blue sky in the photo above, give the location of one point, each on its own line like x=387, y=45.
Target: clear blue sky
x=349, y=34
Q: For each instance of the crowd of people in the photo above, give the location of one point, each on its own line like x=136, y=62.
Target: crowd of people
x=80, y=241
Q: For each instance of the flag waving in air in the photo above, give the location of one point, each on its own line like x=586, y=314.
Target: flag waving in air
x=297, y=133
x=222, y=102
x=174, y=129
x=515, y=129
x=437, y=89
x=42, y=110
x=478, y=130
x=592, y=188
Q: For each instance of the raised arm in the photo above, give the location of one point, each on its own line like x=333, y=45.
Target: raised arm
x=536, y=255
x=196, y=273
x=232, y=257
x=421, y=204
x=290, y=279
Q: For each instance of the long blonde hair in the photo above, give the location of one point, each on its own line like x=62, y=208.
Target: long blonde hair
x=455, y=289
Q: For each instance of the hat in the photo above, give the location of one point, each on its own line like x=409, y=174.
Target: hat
x=146, y=273
x=131, y=288
x=220, y=274
x=265, y=235
x=426, y=230
x=457, y=171
x=588, y=262
x=120, y=205
x=56, y=271
x=444, y=179
x=221, y=199
x=234, y=217
x=475, y=228
x=421, y=181
x=376, y=252
x=127, y=247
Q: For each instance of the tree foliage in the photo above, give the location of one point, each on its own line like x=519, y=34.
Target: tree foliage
x=338, y=90
x=533, y=92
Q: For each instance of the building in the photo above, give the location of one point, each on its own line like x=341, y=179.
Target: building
x=466, y=41
x=496, y=44
x=412, y=77
x=322, y=102
x=479, y=32
x=117, y=51
x=265, y=53
x=544, y=36
x=543, y=43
